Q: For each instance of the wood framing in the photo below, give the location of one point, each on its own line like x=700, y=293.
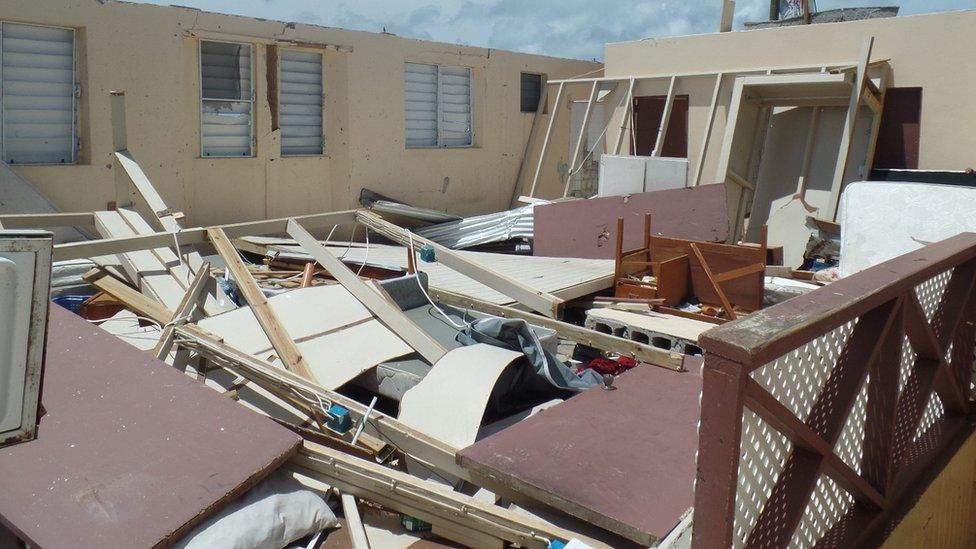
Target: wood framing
x=581, y=138
x=408, y=494
x=182, y=313
x=662, y=129
x=709, y=123
x=530, y=143
x=304, y=394
x=850, y=122
x=197, y=235
x=627, y=120
x=537, y=300
x=48, y=220
x=388, y=313
x=354, y=523
x=283, y=344
x=545, y=141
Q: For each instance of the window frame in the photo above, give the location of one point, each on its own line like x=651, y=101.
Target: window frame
x=280, y=51
x=253, y=142
x=438, y=144
x=75, y=140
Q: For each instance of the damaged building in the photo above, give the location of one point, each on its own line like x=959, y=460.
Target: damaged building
x=271, y=284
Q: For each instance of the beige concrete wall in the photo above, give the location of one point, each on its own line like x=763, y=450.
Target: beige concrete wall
x=151, y=52
x=932, y=51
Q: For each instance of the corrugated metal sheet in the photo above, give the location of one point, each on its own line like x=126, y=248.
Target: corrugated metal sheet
x=482, y=229
x=300, y=102
x=225, y=75
x=422, y=214
x=38, y=83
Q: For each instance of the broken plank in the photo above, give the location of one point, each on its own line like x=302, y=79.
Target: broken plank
x=183, y=311
x=388, y=313
x=197, y=235
x=283, y=344
x=537, y=300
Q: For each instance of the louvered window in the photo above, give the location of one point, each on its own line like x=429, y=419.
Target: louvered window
x=437, y=105
x=37, y=103
x=226, y=127
x=300, y=102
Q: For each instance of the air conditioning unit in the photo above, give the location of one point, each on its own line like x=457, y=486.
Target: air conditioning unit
x=25, y=282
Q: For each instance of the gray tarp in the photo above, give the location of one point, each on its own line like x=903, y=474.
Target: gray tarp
x=547, y=371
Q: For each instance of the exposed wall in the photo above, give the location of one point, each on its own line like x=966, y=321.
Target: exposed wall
x=931, y=51
x=151, y=53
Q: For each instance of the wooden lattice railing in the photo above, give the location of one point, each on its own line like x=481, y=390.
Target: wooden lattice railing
x=824, y=417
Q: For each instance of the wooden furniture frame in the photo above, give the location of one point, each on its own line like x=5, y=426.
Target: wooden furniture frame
x=824, y=417
x=719, y=275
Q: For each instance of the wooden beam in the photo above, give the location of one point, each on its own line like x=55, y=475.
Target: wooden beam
x=198, y=235
x=283, y=344
x=47, y=220
x=581, y=138
x=540, y=110
x=604, y=342
x=627, y=120
x=388, y=314
x=190, y=299
x=357, y=534
x=700, y=163
x=408, y=494
x=662, y=129
x=537, y=300
x=850, y=122
x=141, y=304
x=728, y=12
x=545, y=141
x=715, y=285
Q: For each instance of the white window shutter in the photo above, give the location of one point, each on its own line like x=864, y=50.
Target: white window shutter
x=454, y=107
x=225, y=76
x=38, y=99
x=420, y=104
x=300, y=102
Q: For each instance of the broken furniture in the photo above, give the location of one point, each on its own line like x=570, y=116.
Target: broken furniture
x=129, y=452
x=719, y=276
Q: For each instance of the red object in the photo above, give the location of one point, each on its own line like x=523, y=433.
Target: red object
x=609, y=365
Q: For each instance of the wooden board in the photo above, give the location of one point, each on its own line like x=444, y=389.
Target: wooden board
x=587, y=228
x=336, y=335
x=623, y=460
x=130, y=452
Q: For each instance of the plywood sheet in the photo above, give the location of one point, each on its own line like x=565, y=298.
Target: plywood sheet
x=564, y=278
x=130, y=452
x=623, y=459
x=336, y=335
x=881, y=220
x=450, y=401
x=587, y=228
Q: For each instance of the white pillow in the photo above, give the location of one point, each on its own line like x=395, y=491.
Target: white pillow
x=274, y=513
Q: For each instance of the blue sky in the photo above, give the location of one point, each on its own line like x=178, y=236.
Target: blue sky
x=565, y=28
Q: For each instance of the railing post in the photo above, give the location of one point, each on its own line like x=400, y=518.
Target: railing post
x=719, y=434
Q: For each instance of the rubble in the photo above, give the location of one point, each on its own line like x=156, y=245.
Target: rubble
x=779, y=356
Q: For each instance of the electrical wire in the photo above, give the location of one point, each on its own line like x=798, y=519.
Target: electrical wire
x=423, y=291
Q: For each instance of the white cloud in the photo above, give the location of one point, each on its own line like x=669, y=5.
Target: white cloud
x=565, y=28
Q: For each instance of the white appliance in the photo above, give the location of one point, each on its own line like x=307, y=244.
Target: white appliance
x=25, y=280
